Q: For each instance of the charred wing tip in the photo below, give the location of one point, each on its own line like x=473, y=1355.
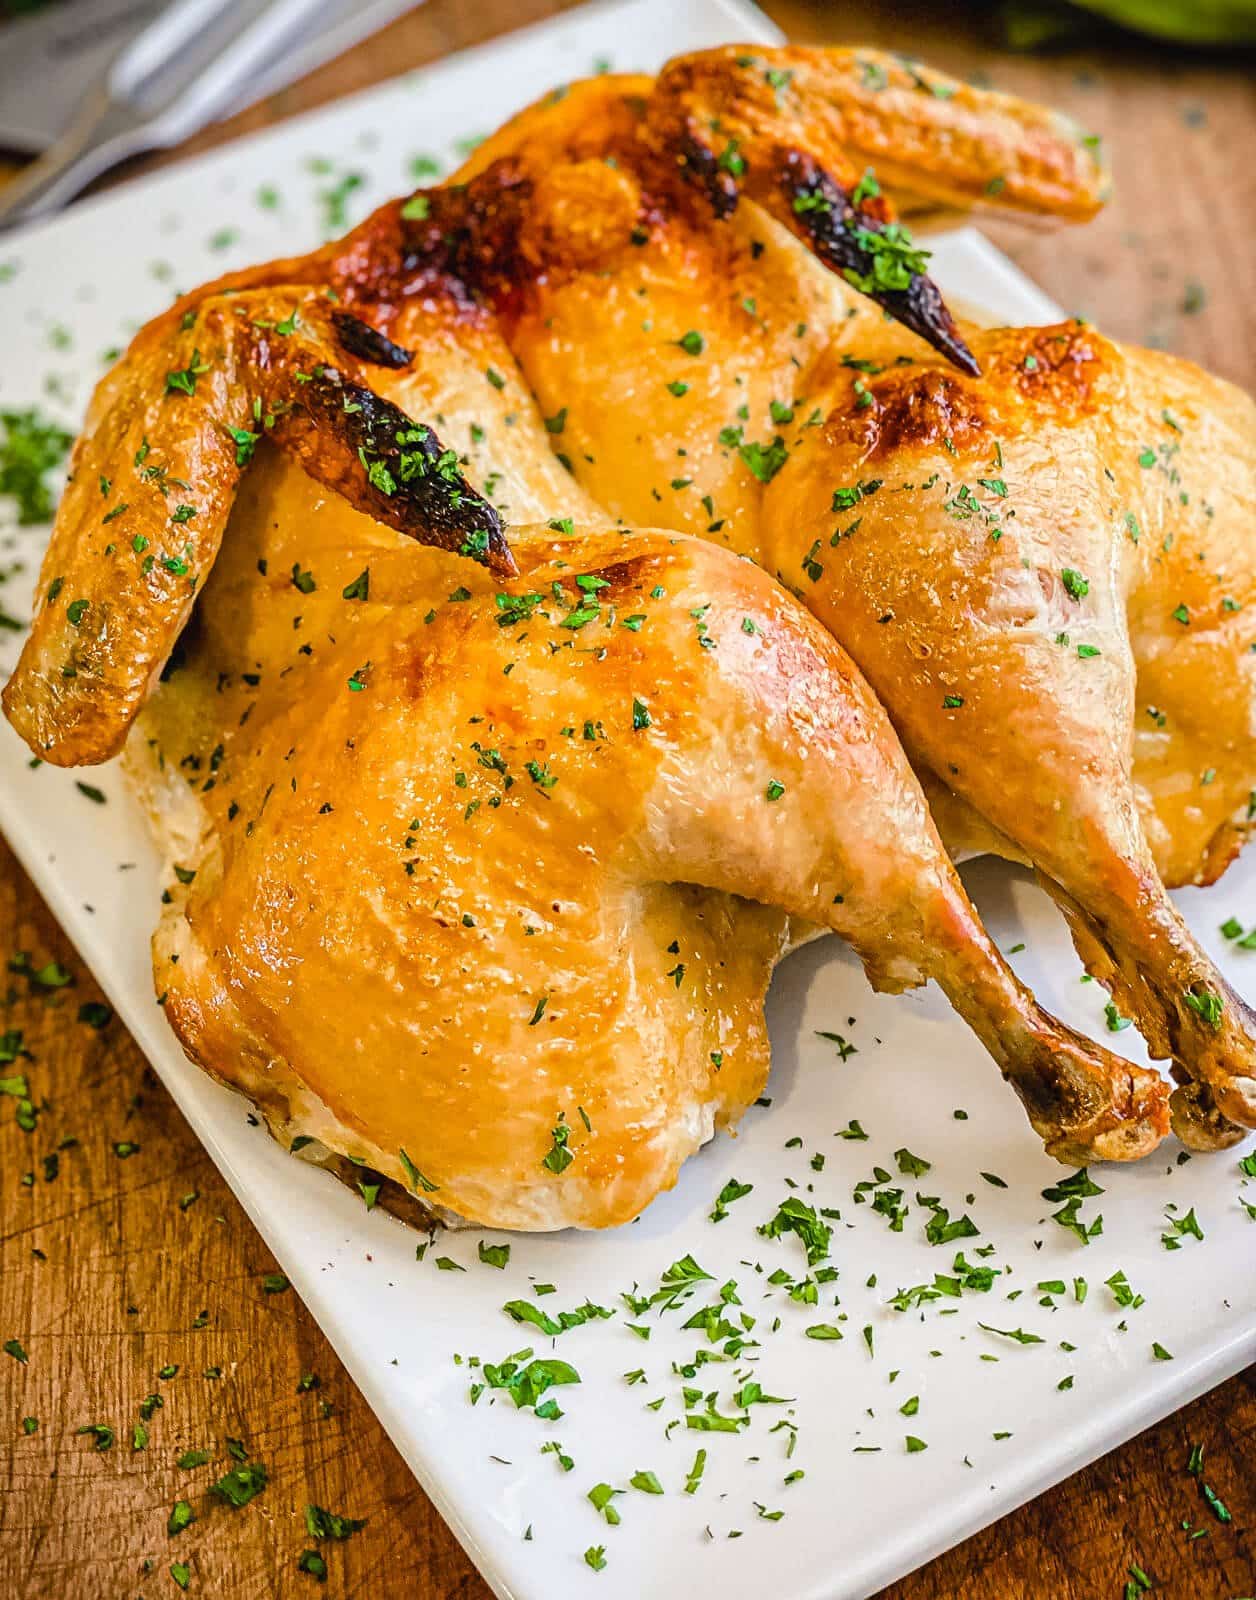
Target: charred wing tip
x=477, y=533
x=401, y=472
x=358, y=338
x=843, y=234
x=500, y=558
x=946, y=338
x=922, y=309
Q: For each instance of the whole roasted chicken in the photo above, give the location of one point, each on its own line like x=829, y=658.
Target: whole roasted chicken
x=491, y=808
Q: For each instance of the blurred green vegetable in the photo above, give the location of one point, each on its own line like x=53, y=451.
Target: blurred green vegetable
x=31, y=445
x=1030, y=24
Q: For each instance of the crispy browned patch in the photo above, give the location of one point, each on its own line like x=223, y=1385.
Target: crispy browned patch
x=1062, y=363
x=1056, y=369
x=633, y=573
x=470, y=234
x=498, y=239
x=915, y=409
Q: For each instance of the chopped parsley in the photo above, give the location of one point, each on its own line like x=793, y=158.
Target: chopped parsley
x=30, y=447
x=559, y=1157
x=764, y=460
x=1207, y=1005
x=419, y=1182
x=183, y=379
x=242, y=1484
x=894, y=260
x=320, y=1524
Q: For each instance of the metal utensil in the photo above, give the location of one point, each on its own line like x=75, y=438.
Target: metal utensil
x=195, y=60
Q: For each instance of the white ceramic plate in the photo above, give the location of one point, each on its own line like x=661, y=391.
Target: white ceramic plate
x=997, y=1424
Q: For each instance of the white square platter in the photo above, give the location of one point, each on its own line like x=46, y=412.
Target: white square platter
x=1001, y=1418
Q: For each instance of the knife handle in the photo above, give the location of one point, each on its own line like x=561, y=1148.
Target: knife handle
x=102, y=134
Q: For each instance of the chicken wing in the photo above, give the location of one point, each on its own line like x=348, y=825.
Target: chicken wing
x=171, y=429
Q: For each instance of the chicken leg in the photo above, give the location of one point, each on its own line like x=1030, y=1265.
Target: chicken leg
x=493, y=874
x=1041, y=521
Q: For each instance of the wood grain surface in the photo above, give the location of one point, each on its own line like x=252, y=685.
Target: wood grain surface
x=116, y=1265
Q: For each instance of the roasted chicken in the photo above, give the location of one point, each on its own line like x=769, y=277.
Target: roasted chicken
x=480, y=879
x=490, y=884
x=492, y=811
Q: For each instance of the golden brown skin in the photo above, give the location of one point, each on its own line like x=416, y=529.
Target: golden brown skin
x=922, y=131
x=411, y=825
x=1072, y=571
x=732, y=348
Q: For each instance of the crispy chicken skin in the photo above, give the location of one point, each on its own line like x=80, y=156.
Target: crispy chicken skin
x=475, y=861
x=493, y=801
